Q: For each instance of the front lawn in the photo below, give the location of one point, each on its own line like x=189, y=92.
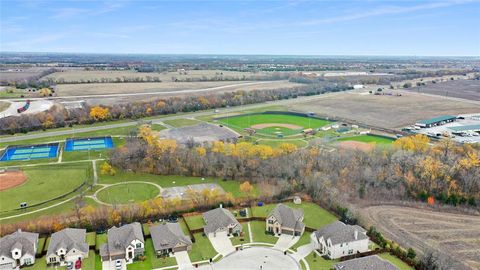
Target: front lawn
x=318, y=263
x=396, y=261
x=245, y=236
x=260, y=234
x=100, y=240
x=151, y=261
x=202, y=249
x=304, y=239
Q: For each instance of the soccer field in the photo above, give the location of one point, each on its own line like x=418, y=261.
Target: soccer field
x=273, y=124
x=368, y=139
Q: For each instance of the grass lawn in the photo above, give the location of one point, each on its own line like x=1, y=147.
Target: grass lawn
x=368, y=139
x=259, y=233
x=245, y=236
x=87, y=264
x=315, y=216
x=44, y=183
x=319, y=263
x=41, y=245
x=396, y=261
x=244, y=121
x=157, y=127
x=100, y=240
x=151, y=261
x=202, y=249
x=91, y=239
x=195, y=222
x=304, y=239
x=127, y=193
x=182, y=122
x=172, y=181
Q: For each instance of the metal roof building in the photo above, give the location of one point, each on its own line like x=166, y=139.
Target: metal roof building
x=436, y=121
x=465, y=128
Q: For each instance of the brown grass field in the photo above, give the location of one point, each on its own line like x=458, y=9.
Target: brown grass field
x=77, y=75
x=125, y=88
x=466, y=89
x=385, y=111
x=11, y=179
x=455, y=235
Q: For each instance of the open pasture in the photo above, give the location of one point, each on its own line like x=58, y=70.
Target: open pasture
x=466, y=89
x=273, y=124
x=384, y=111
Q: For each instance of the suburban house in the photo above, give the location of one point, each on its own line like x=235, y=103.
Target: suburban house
x=67, y=245
x=169, y=238
x=285, y=220
x=338, y=239
x=220, y=221
x=18, y=249
x=366, y=263
x=124, y=244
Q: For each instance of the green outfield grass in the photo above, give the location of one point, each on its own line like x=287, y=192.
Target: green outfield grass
x=245, y=121
x=44, y=183
x=368, y=139
x=182, y=122
x=128, y=193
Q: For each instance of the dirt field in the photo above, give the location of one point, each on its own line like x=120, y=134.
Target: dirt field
x=466, y=89
x=385, y=111
x=11, y=179
x=455, y=234
x=126, y=88
x=78, y=75
x=4, y=105
x=356, y=145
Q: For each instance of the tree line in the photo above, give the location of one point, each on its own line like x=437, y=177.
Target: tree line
x=59, y=117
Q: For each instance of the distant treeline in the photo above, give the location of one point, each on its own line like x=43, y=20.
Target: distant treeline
x=59, y=117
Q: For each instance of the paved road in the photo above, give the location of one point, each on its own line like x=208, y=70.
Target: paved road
x=160, y=119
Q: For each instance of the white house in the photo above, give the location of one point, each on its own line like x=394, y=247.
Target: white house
x=124, y=244
x=18, y=249
x=338, y=239
x=67, y=245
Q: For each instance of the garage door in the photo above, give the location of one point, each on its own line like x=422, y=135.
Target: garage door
x=287, y=232
x=177, y=249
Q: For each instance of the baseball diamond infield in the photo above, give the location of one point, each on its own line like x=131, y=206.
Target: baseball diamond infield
x=10, y=179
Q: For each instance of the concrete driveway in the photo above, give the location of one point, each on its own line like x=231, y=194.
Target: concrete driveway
x=303, y=251
x=183, y=260
x=107, y=265
x=285, y=241
x=221, y=243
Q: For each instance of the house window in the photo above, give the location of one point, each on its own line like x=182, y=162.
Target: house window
x=52, y=259
x=341, y=245
x=139, y=245
x=16, y=252
x=270, y=222
x=350, y=251
x=28, y=261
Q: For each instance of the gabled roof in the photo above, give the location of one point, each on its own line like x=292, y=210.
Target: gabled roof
x=338, y=232
x=25, y=241
x=366, y=263
x=288, y=217
x=120, y=238
x=167, y=236
x=68, y=239
x=436, y=119
x=218, y=218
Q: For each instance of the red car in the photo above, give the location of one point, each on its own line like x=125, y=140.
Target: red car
x=78, y=264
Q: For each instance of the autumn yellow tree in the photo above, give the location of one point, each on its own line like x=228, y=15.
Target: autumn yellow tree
x=246, y=188
x=287, y=148
x=48, y=121
x=99, y=113
x=107, y=169
x=418, y=142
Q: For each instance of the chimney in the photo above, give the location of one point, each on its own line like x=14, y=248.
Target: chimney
x=355, y=234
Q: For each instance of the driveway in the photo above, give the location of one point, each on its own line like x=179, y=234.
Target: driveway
x=286, y=241
x=183, y=260
x=221, y=243
x=303, y=251
x=107, y=265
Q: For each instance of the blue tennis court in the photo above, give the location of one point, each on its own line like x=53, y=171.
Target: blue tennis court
x=30, y=152
x=86, y=144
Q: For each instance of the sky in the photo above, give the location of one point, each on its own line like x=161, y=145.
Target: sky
x=361, y=27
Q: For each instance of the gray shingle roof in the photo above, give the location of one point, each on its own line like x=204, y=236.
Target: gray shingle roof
x=120, y=238
x=366, y=263
x=288, y=217
x=167, y=236
x=218, y=218
x=25, y=241
x=68, y=239
x=338, y=232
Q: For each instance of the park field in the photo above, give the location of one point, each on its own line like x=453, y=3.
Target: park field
x=272, y=124
x=44, y=183
x=368, y=139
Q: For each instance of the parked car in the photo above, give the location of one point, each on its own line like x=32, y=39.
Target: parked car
x=118, y=265
x=78, y=264
x=69, y=265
